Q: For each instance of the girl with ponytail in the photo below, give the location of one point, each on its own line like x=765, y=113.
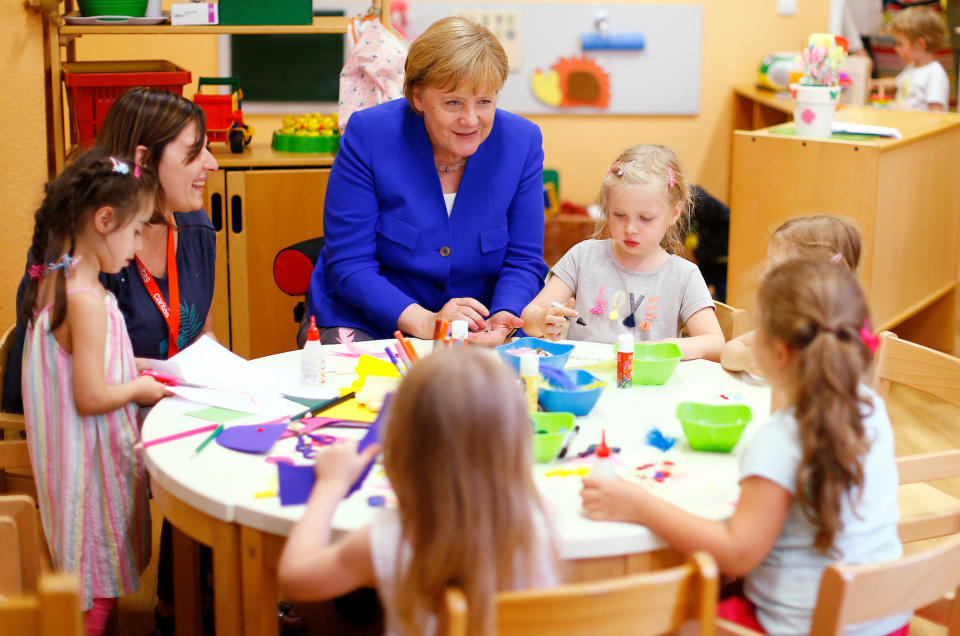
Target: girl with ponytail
x=818, y=479
x=80, y=384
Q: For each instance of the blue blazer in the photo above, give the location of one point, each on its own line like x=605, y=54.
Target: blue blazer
x=389, y=241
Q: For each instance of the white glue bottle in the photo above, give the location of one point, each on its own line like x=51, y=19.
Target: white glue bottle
x=603, y=467
x=458, y=332
x=530, y=374
x=313, y=359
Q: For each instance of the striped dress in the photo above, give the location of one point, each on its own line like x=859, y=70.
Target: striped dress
x=91, y=483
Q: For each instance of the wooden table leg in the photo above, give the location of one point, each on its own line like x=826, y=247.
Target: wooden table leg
x=186, y=584
x=259, y=555
x=227, y=612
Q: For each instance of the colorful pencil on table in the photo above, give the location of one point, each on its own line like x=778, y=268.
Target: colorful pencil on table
x=329, y=404
x=213, y=436
x=395, y=362
x=175, y=436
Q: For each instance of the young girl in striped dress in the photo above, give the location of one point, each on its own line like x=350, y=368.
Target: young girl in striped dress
x=80, y=384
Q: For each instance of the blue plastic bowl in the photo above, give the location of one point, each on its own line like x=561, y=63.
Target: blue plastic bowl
x=559, y=353
x=578, y=402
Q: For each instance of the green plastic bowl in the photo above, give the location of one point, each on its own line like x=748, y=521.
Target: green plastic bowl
x=546, y=445
x=654, y=362
x=303, y=143
x=129, y=8
x=713, y=427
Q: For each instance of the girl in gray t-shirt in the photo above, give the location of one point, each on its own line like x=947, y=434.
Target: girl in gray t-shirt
x=633, y=282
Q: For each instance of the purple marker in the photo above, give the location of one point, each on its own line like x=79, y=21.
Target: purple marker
x=393, y=359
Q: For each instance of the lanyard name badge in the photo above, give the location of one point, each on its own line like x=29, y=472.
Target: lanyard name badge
x=171, y=309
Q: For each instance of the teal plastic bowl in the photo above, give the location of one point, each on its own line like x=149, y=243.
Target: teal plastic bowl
x=549, y=431
x=559, y=353
x=128, y=8
x=713, y=427
x=579, y=401
x=654, y=362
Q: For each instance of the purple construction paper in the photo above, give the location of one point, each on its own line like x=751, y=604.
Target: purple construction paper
x=373, y=436
x=296, y=482
x=251, y=438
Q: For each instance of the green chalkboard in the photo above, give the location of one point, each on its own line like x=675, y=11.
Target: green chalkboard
x=288, y=68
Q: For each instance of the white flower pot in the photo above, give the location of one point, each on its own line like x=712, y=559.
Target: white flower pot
x=813, y=109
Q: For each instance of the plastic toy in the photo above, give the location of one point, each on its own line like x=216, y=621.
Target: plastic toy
x=311, y=132
x=224, y=113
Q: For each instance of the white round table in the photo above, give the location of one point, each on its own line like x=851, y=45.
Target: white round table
x=211, y=498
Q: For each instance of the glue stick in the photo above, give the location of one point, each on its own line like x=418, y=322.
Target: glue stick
x=458, y=332
x=313, y=359
x=603, y=467
x=530, y=374
x=624, y=361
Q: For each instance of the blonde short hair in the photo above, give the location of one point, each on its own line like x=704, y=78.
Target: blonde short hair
x=821, y=237
x=920, y=22
x=453, y=51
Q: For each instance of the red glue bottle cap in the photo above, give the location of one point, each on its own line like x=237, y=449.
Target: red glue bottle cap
x=603, y=451
x=313, y=333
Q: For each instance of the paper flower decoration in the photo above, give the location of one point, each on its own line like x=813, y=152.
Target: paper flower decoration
x=822, y=58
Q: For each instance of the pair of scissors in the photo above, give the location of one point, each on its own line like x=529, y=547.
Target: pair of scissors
x=305, y=446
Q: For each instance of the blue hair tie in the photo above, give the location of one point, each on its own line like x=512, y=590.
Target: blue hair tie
x=66, y=263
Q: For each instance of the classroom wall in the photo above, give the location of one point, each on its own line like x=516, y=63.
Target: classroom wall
x=23, y=160
x=737, y=33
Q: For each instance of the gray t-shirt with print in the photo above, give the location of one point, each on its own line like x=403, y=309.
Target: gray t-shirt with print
x=614, y=300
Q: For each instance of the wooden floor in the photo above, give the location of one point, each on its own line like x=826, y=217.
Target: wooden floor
x=922, y=425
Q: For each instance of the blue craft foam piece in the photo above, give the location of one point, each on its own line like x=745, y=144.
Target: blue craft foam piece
x=612, y=42
x=657, y=439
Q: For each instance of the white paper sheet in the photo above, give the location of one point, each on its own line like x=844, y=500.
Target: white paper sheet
x=850, y=128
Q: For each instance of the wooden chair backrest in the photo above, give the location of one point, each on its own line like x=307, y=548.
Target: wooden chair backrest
x=921, y=582
x=648, y=603
x=20, y=548
x=733, y=322
x=857, y=593
x=53, y=610
x=902, y=362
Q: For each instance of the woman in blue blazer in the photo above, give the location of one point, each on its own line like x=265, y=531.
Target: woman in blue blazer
x=434, y=208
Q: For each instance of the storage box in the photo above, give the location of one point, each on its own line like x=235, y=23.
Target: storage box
x=193, y=13
x=266, y=12
x=92, y=87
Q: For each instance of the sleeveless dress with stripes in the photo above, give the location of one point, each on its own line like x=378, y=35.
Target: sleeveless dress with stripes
x=91, y=482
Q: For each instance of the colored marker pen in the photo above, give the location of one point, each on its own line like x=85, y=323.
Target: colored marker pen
x=459, y=330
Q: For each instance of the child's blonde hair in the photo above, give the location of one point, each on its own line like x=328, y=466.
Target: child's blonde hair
x=818, y=310
x=821, y=237
x=644, y=164
x=458, y=451
x=920, y=22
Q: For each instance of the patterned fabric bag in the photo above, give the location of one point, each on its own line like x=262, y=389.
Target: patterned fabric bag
x=373, y=71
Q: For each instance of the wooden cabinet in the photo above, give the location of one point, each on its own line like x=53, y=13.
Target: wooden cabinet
x=261, y=202
x=902, y=193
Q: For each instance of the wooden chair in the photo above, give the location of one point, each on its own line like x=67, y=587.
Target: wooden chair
x=21, y=558
x=734, y=322
x=53, y=610
x=14, y=478
x=648, y=603
x=927, y=582
x=926, y=512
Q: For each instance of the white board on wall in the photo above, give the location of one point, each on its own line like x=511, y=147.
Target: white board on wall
x=661, y=79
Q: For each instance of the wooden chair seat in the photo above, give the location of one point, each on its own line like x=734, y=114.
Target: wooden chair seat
x=649, y=603
x=53, y=610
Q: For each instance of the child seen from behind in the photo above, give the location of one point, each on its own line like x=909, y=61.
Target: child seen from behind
x=818, y=237
x=80, y=384
x=457, y=449
x=634, y=282
x=818, y=479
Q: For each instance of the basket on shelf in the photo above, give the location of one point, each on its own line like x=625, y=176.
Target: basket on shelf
x=92, y=87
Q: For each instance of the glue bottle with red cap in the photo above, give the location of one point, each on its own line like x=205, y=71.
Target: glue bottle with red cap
x=603, y=467
x=313, y=359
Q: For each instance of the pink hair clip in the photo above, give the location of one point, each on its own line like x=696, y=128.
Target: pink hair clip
x=672, y=182
x=136, y=171
x=870, y=340
x=35, y=271
x=836, y=259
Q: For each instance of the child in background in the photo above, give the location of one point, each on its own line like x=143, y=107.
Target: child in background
x=923, y=84
x=633, y=282
x=818, y=479
x=80, y=384
x=818, y=237
x=468, y=511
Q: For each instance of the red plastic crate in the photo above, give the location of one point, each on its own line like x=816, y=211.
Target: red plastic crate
x=92, y=87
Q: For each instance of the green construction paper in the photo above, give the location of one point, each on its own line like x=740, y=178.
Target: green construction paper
x=790, y=129
x=217, y=414
x=310, y=403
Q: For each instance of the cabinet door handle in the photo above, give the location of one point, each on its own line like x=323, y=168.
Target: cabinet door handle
x=216, y=211
x=236, y=214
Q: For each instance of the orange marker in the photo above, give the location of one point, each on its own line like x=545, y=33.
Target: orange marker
x=406, y=346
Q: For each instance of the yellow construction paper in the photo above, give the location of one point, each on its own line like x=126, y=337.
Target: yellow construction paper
x=350, y=410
